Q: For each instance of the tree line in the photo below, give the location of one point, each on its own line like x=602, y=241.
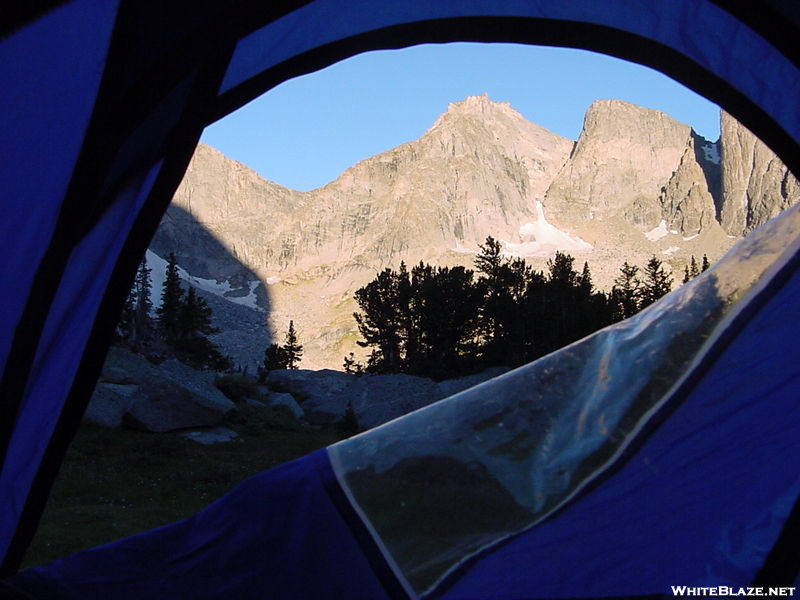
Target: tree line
x=179, y=327
x=443, y=322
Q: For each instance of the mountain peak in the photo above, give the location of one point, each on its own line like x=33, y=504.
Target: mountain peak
x=477, y=105
x=479, y=123
x=481, y=108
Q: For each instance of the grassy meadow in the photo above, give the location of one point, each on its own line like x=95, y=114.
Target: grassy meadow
x=117, y=482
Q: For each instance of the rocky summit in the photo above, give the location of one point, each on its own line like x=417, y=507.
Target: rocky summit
x=635, y=184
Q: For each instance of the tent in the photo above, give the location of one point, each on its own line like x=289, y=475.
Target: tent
x=661, y=452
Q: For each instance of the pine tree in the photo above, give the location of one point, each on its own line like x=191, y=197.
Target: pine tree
x=562, y=299
x=489, y=261
x=690, y=271
x=626, y=292
x=274, y=359
x=351, y=366
x=278, y=357
x=135, y=325
x=585, y=280
x=384, y=320
x=502, y=285
x=124, y=328
x=169, y=312
x=292, y=349
x=561, y=270
x=657, y=282
x=706, y=264
x=694, y=270
x=194, y=317
x=141, y=317
x=184, y=320
x=443, y=320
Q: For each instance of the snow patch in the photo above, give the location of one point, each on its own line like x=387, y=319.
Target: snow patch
x=691, y=237
x=711, y=153
x=658, y=232
x=671, y=250
x=159, y=275
x=273, y=280
x=463, y=249
x=543, y=239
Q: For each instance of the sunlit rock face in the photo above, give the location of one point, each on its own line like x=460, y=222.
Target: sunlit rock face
x=635, y=184
x=757, y=184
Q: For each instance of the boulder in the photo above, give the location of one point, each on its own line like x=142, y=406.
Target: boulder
x=304, y=384
x=125, y=367
x=137, y=393
x=199, y=382
x=162, y=405
x=288, y=401
x=118, y=375
x=109, y=402
x=375, y=399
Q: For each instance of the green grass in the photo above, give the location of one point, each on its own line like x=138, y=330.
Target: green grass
x=115, y=482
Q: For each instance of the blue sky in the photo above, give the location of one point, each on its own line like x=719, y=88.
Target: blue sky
x=308, y=130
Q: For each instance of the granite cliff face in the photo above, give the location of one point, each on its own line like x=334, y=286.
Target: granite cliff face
x=757, y=184
x=625, y=155
x=636, y=183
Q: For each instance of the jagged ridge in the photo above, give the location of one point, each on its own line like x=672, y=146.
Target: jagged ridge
x=636, y=183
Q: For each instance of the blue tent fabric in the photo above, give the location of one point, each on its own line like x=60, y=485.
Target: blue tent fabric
x=87, y=273
x=50, y=97
x=103, y=102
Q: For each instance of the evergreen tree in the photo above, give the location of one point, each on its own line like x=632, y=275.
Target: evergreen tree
x=561, y=270
x=424, y=323
x=169, y=312
x=124, y=328
x=690, y=271
x=657, y=282
x=560, y=295
x=442, y=322
x=626, y=292
x=694, y=270
x=573, y=309
x=348, y=426
x=706, y=264
x=443, y=318
x=489, y=261
x=585, y=280
x=502, y=285
x=194, y=317
x=191, y=342
x=285, y=356
x=141, y=317
x=275, y=358
x=184, y=321
x=135, y=325
x=384, y=320
x=292, y=349
x=351, y=366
